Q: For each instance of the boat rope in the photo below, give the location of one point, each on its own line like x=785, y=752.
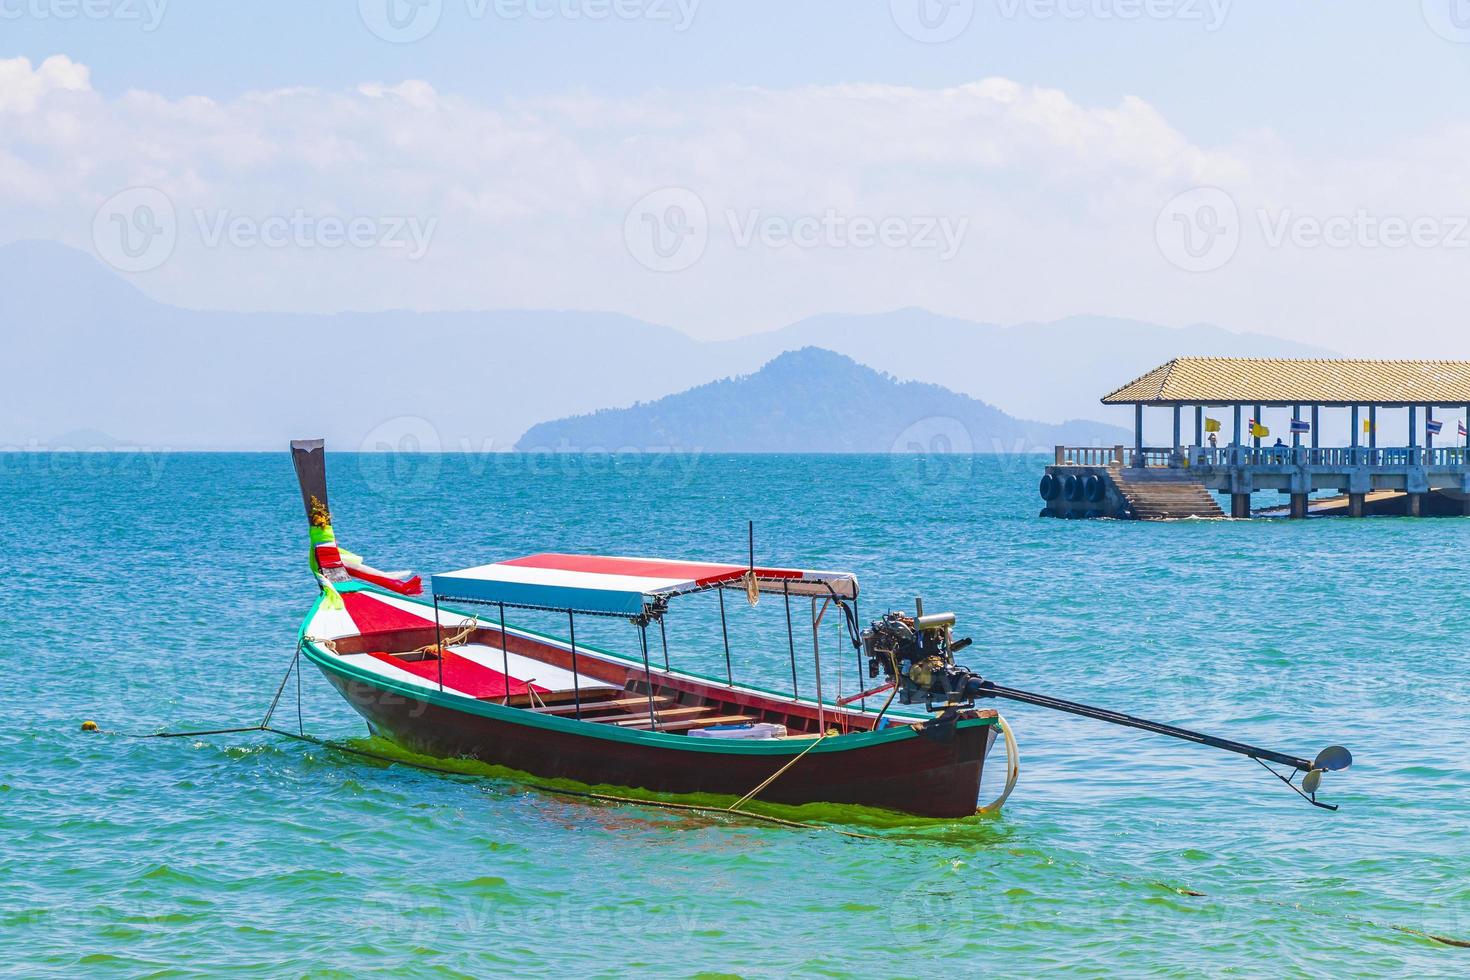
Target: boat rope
x=1013, y=767
x=453, y=641
x=579, y=794
x=777, y=774
x=301, y=736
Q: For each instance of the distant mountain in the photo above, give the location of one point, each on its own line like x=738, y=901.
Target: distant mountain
x=1048, y=371
x=85, y=349
x=812, y=401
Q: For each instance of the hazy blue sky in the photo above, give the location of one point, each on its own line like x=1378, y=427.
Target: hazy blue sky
x=1300, y=167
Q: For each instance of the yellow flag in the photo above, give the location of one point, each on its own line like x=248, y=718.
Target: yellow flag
x=1259, y=431
x=1367, y=426
x=1212, y=425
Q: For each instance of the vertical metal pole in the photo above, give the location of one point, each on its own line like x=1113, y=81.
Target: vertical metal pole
x=664, y=637
x=1296, y=437
x=576, y=683
x=1138, y=434
x=1372, y=426
x=1199, y=425
x=647, y=675
x=1316, y=427
x=817, y=661
x=505, y=656
x=1467, y=426
x=1236, y=441
x=439, y=643
x=1355, y=426
x=1428, y=429
x=790, y=636
x=725, y=635
x=859, y=651
x=1255, y=439
x=1413, y=426
x=1178, y=434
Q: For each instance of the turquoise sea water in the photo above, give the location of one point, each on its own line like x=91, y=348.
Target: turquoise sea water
x=165, y=592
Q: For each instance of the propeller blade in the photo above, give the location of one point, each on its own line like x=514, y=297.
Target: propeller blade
x=1333, y=758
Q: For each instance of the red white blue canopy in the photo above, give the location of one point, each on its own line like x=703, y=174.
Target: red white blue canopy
x=621, y=586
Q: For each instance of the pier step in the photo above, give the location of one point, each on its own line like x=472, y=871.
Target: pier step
x=1162, y=500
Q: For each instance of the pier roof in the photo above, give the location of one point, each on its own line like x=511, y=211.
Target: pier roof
x=1293, y=381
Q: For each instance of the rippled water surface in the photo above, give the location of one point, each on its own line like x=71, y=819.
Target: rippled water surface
x=164, y=592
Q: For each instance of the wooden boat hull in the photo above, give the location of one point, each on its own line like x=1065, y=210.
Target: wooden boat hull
x=931, y=773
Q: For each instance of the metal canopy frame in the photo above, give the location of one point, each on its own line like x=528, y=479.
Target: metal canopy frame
x=656, y=612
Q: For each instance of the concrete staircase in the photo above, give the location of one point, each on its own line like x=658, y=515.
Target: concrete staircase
x=1159, y=497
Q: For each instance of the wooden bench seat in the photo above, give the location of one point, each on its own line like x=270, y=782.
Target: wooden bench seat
x=620, y=704
x=635, y=717
x=678, y=726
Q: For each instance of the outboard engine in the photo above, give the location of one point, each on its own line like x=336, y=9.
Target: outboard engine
x=916, y=653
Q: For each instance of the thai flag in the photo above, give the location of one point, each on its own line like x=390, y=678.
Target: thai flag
x=1434, y=426
x=1463, y=433
x=1298, y=426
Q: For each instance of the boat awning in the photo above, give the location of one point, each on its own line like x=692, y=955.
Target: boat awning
x=620, y=586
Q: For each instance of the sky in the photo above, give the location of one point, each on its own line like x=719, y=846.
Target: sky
x=1294, y=167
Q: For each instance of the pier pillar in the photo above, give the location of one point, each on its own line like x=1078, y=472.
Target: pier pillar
x=1298, y=506
x=1240, y=505
x=1355, y=504
x=1416, y=504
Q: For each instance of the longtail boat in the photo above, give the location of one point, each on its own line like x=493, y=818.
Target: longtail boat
x=428, y=674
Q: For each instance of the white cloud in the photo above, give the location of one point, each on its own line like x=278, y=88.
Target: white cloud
x=531, y=196
x=22, y=87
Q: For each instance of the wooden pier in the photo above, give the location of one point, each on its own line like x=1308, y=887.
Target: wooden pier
x=1178, y=481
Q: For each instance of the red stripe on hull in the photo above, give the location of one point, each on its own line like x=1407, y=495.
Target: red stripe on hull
x=462, y=674
x=923, y=776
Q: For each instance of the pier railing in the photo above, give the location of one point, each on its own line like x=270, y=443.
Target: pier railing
x=1115, y=456
x=1386, y=457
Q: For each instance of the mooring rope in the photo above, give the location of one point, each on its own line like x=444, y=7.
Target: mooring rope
x=776, y=775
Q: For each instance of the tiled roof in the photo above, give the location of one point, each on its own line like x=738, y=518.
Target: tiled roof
x=1287, y=381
